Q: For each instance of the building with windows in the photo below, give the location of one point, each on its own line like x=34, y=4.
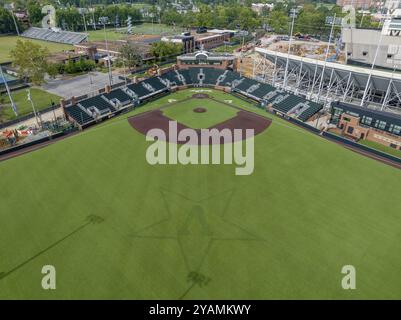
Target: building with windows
x=359, y=4
x=186, y=39
x=363, y=123
x=205, y=58
x=361, y=46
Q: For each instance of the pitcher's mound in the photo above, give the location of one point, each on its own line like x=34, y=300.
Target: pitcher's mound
x=199, y=110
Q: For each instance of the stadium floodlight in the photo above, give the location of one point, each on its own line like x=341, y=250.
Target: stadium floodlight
x=29, y=98
x=293, y=14
x=326, y=56
x=104, y=20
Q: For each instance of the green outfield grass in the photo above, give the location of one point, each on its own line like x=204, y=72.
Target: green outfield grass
x=9, y=42
x=40, y=98
x=310, y=207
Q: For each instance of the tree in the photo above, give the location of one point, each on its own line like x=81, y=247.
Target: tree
x=130, y=55
x=165, y=49
x=35, y=12
x=278, y=20
x=6, y=22
x=52, y=70
x=30, y=58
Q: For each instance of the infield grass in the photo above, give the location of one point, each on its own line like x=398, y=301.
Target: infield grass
x=310, y=207
x=183, y=112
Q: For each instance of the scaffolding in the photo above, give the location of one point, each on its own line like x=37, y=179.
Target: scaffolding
x=324, y=82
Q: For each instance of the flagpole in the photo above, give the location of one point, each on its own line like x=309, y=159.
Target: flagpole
x=33, y=106
x=14, y=107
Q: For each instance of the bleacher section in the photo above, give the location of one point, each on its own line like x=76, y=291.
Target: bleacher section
x=119, y=95
x=288, y=103
x=310, y=111
x=245, y=84
x=172, y=79
x=139, y=90
x=78, y=115
x=99, y=103
x=263, y=90
x=155, y=83
x=52, y=35
x=227, y=78
x=184, y=75
x=106, y=104
x=211, y=75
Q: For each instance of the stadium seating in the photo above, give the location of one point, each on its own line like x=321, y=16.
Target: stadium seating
x=90, y=109
x=79, y=115
x=262, y=90
x=171, y=78
x=245, y=84
x=119, y=95
x=54, y=35
x=227, y=78
x=99, y=103
x=211, y=75
x=155, y=83
x=184, y=77
x=139, y=90
x=310, y=111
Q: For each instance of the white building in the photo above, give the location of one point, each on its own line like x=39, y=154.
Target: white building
x=258, y=7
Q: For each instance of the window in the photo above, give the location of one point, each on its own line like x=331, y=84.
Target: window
x=346, y=119
x=350, y=130
x=380, y=124
x=389, y=56
x=366, y=120
x=364, y=53
x=396, y=130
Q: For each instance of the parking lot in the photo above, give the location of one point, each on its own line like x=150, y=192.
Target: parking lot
x=79, y=85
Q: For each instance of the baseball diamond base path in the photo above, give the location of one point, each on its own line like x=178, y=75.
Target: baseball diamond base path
x=243, y=120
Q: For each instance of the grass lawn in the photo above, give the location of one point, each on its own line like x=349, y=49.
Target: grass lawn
x=381, y=147
x=8, y=43
x=115, y=226
x=41, y=99
x=144, y=28
x=215, y=113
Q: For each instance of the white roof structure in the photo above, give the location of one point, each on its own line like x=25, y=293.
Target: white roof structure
x=380, y=78
x=329, y=81
x=55, y=35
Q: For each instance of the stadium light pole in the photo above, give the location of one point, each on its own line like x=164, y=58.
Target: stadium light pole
x=293, y=13
x=103, y=20
x=15, y=22
x=325, y=58
x=33, y=106
x=372, y=67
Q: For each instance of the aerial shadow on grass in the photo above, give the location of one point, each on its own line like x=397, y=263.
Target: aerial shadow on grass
x=91, y=219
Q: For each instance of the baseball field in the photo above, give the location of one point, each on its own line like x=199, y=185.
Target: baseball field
x=114, y=226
